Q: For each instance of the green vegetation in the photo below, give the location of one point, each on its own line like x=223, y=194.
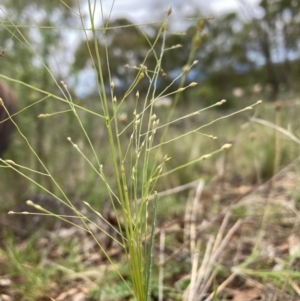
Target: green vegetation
x=150, y=186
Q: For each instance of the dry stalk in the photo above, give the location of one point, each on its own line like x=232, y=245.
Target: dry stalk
x=221, y=287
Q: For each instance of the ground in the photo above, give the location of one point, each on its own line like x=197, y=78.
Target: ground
x=247, y=237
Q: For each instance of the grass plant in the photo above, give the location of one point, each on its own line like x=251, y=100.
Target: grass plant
x=133, y=163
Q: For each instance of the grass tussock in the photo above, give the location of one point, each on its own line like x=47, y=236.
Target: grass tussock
x=121, y=177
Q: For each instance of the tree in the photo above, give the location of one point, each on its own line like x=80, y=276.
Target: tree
x=272, y=38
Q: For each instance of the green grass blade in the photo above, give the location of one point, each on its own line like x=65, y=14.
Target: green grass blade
x=149, y=258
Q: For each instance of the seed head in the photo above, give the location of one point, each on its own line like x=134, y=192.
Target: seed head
x=219, y=103
x=64, y=84
x=10, y=162
x=43, y=116
x=29, y=203
x=38, y=207
x=204, y=157
x=112, y=85
x=141, y=76
x=226, y=146
x=169, y=11
x=166, y=158
x=185, y=69
x=143, y=68
x=176, y=46
x=137, y=95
